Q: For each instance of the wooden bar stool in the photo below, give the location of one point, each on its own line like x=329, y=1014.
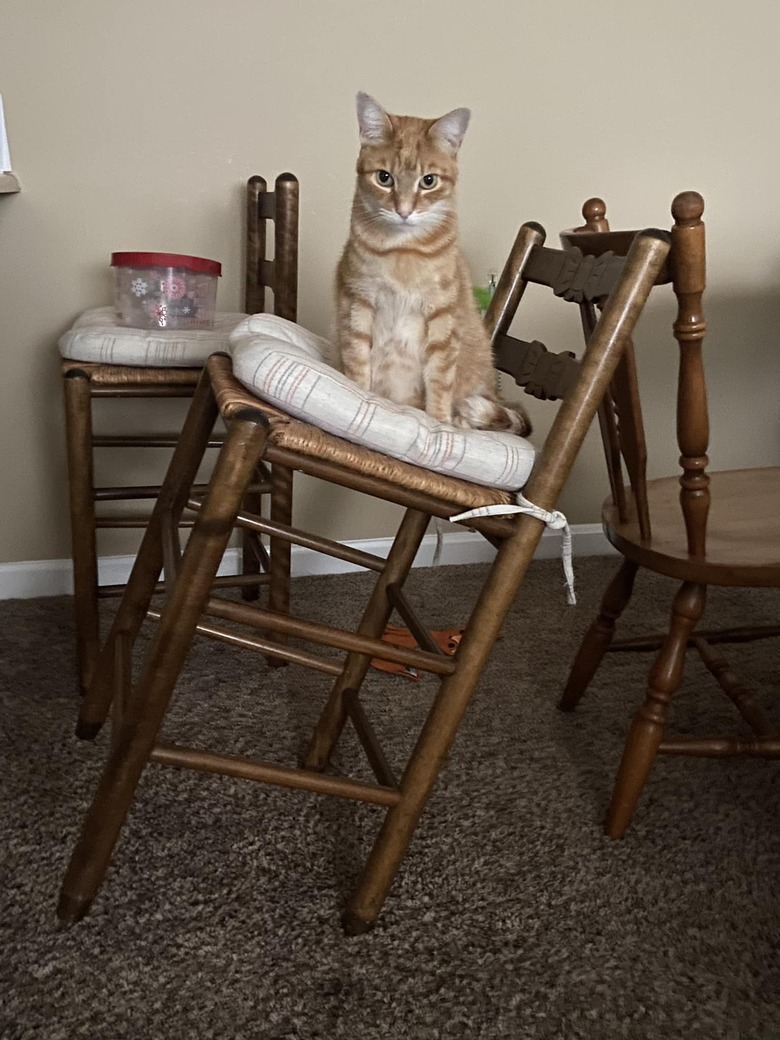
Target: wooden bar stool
x=101, y=359
x=278, y=401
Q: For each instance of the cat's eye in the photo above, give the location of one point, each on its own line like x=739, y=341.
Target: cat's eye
x=430, y=180
x=383, y=178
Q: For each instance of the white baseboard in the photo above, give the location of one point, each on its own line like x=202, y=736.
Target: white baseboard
x=55, y=577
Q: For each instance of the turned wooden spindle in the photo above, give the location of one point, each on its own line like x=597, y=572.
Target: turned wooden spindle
x=693, y=430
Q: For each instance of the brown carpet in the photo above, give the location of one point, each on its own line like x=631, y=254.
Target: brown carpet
x=512, y=916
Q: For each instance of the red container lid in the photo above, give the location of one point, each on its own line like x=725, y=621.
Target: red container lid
x=191, y=263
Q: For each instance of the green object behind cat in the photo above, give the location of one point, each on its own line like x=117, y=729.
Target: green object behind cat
x=483, y=295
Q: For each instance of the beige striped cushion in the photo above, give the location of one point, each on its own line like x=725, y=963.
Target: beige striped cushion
x=96, y=337
x=286, y=365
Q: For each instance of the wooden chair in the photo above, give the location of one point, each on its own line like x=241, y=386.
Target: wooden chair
x=143, y=377
x=258, y=430
x=697, y=528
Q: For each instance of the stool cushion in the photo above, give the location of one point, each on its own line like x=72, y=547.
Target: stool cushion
x=96, y=337
x=288, y=366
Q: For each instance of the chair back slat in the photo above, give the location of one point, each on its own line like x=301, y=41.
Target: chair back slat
x=574, y=275
x=542, y=374
x=597, y=368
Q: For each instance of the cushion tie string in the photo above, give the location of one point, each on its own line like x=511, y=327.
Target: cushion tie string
x=555, y=520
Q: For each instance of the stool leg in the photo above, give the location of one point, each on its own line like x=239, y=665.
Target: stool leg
x=182, y=470
x=441, y=726
x=138, y=729
x=375, y=618
x=78, y=435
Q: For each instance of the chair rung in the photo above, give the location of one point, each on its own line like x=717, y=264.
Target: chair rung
x=367, y=737
x=741, y=634
x=267, y=772
x=131, y=521
x=259, y=618
x=309, y=541
x=138, y=491
x=264, y=646
x=227, y=581
x=141, y=391
x=424, y=638
x=128, y=493
x=145, y=441
x=721, y=747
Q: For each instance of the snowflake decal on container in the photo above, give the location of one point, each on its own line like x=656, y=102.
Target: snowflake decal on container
x=173, y=288
x=139, y=287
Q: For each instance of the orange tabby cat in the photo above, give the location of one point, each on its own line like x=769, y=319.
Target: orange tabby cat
x=407, y=324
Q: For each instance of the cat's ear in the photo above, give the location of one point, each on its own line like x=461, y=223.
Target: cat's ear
x=450, y=129
x=374, y=124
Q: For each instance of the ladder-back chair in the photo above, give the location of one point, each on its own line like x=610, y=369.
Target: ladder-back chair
x=698, y=528
x=101, y=359
x=260, y=428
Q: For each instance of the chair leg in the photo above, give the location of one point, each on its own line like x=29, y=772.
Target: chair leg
x=254, y=556
x=279, y=549
x=648, y=726
x=138, y=729
x=599, y=636
x=377, y=614
x=78, y=433
x=182, y=470
x=441, y=726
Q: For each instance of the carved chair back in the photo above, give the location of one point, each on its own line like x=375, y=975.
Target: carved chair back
x=620, y=417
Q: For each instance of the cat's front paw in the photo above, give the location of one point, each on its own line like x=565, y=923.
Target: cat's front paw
x=442, y=415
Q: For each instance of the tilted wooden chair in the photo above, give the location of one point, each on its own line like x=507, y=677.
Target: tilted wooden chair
x=697, y=528
x=101, y=359
x=259, y=430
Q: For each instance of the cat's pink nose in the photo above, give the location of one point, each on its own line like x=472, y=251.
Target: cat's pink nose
x=404, y=209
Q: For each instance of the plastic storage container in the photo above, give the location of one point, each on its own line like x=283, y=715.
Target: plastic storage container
x=165, y=290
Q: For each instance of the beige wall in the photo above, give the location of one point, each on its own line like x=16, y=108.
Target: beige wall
x=134, y=125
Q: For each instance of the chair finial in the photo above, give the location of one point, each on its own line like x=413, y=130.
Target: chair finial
x=687, y=207
x=594, y=209
x=594, y=212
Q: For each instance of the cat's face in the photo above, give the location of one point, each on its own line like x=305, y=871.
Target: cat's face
x=407, y=168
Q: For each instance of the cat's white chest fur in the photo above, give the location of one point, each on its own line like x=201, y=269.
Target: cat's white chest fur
x=397, y=346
